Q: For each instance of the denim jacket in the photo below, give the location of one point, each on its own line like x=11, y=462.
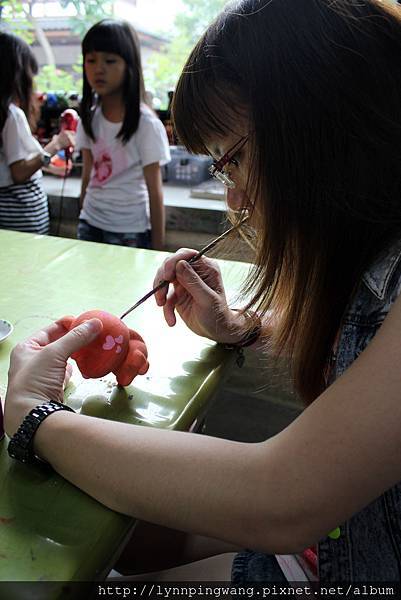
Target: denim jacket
x=369, y=548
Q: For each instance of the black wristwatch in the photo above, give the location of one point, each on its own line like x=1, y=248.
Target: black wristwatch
x=46, y=158
x=20, y=446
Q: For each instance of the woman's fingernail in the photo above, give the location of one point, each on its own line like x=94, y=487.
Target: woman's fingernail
x=182, y=266
x=92, y=326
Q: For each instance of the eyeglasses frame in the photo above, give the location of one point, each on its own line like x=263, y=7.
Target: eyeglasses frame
x=216, y=168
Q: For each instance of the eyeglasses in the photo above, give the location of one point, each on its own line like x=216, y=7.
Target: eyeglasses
x=216, y=170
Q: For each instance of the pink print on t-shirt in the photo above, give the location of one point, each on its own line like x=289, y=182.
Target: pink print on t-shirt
x=103, y=167
x=108, y=161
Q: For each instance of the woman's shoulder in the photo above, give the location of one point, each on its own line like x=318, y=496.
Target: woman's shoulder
x=147, y=114
x=16, y=113
x=16, y=124
x=383, y=277
x=96, y=115
x=150, y=128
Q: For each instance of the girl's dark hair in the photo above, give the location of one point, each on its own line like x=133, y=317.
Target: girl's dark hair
x=320, y=82
x=116, y=37
x=18, y=66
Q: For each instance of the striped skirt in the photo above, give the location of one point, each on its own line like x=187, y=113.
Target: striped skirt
x=23, y=207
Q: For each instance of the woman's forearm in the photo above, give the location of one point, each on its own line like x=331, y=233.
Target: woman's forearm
x=154, y=184
x=84, y=185
x=166, y=477
x=157, y=219
x=23, y=170
x=87, y=163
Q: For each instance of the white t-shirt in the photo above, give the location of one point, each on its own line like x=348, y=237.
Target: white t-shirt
x=117, y=197
x=17, y=143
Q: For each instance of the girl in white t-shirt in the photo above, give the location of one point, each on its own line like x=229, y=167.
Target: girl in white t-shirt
x=23, y=203
x=123, y=144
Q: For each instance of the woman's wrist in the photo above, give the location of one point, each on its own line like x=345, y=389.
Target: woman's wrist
x=52, y=147
x=50, y=431
x=22, y=442
x=244, y=328
x=16, y=408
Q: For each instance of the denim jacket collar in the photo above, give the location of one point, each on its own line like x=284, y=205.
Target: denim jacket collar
x=379, y=275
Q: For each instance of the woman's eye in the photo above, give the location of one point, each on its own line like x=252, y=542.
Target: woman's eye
x=234, y=161
x=111, y=61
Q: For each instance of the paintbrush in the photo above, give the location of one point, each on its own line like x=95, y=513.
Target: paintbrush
x=196, y=257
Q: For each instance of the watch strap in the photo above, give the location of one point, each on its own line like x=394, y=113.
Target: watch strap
x=46, y=158
x=20, y=446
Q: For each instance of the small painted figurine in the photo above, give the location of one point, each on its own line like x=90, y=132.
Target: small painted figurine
x=117, y=349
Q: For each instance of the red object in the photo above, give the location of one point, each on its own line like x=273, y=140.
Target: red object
x=59, y=165
x=69, y=122
x=117, y=349
x=310, y=556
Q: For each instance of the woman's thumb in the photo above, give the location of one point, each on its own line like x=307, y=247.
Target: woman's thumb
x=193, y=284
x=80, y=336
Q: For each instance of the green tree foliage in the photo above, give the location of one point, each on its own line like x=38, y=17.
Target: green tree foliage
x=196, y=17
x=164, y=69
x=52, y=79
x=18, y=16
x=87, y=13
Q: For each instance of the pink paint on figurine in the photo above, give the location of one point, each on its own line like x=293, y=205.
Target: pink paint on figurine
x=117, y=349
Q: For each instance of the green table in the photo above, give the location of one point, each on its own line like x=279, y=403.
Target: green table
x=49, y=529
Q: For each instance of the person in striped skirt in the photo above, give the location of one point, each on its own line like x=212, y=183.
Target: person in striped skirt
x=23, y=202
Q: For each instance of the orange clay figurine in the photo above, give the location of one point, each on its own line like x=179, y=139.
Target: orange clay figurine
x=117, y=349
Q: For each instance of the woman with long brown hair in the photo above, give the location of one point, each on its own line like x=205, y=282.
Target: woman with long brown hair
x=299, y=102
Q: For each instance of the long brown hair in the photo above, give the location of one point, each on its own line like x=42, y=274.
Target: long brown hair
x=321, y=83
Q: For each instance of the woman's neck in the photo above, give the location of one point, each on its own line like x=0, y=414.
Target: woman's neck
x=113, y=108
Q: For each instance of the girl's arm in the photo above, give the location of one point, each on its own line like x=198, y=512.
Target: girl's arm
x=154, y=184
x=22, y=170
x=278, y=496
x=87, y=160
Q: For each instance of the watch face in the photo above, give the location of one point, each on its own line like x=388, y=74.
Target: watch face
x=46, y=158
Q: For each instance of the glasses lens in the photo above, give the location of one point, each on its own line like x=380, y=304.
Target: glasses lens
x=221, y=176
x=224, y=179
